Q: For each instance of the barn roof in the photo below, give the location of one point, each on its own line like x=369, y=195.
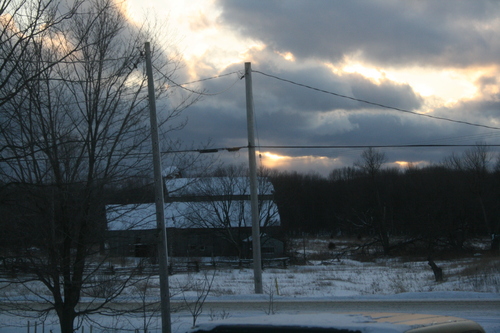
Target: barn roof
x=141, y=216
x=178, y=215
x=186, y=208
x=191, y=200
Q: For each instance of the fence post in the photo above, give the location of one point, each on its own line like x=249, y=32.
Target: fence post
x=28, y=326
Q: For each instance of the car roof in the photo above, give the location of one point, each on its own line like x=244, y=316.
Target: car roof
x=373, y=322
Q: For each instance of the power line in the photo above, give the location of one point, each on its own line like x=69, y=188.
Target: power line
x=201, y=80
x=214, y=77
x=373, y=146
x=375, y=104
x=30, y=156
x=237, y=148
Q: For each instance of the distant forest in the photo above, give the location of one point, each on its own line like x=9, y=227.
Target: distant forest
x=438, y=206
x=423, y=209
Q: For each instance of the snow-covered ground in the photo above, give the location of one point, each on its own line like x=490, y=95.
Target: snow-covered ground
x=345, y=280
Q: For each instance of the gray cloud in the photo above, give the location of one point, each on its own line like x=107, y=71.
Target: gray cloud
x=292, y=115
x=436, y=33
x=388, y=33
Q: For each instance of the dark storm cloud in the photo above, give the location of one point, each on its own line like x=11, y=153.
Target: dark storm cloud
x=291, y=115
x=385, y=32
x=287, y=113
x=432, y=34
x=306, y=97
x=386, y=93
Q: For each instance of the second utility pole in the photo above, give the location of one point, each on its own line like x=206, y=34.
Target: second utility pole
x=257, y=263
x=166, y=325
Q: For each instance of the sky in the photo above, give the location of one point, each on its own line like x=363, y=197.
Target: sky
x=438, y=59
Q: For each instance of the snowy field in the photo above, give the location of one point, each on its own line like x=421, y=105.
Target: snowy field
x=474, y=279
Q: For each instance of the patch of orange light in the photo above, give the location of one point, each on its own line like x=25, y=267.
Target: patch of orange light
x=133, y=15
x=287, y=56
x=7, y=22
x=450, y=85
x=203, y=40
x=368, y=72
x=409, y=165
x=335, y=69
x=402, y=164
x=271, y=160
x=273, y=156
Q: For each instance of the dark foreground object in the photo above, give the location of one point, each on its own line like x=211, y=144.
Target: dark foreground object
x=354, y=322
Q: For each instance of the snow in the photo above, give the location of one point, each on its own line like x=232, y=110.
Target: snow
x=344, y=282
x=177, y=214
x=143, y=216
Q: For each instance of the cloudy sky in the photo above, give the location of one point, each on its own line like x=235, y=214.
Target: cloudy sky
x=439, y=59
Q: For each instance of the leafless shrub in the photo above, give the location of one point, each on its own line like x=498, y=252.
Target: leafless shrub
x=218, y=315
x=202, y=288
x=271, y=290
x=482, y=276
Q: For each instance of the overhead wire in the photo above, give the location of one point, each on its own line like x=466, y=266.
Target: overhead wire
x=372, y=146
x=201, y=80
x=214, y=77
x=240, y=76
x=237, y=148
x=373, y=103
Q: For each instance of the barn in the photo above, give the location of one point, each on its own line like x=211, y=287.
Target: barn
x=204, y=217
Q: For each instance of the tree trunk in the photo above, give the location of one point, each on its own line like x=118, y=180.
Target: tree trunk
x=66, y=319
x=438, y=271
x=495, y=242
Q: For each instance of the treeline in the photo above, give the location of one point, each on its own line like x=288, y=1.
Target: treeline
x=438, y=206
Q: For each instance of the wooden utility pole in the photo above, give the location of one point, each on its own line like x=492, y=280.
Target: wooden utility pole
x=166, y=326
x=257, y=262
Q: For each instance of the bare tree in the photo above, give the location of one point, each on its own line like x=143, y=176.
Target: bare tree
x=370, y=164
x=474, y=164
x=223, y=205
x=371, y=161
x=146, y=289
x=68, y=135
x=23, y=24
x=202, y=287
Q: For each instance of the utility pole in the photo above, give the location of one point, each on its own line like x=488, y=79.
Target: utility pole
x=257, y=262
x=166, y=326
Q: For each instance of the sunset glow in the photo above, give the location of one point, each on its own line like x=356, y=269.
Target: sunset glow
x=433, y=74
x=287, y=55
x=271, y=160
x=449, y=85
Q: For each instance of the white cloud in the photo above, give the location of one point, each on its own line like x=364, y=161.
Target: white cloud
x=434, y=57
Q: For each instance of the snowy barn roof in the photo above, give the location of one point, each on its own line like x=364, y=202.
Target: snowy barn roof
x=188, y=215
x=142, y=216
x=213, y=202
x=216, y=203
